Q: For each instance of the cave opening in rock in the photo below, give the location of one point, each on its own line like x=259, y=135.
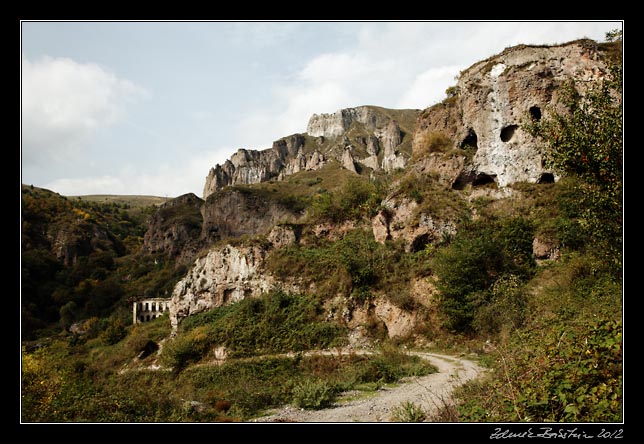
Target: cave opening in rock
x=420, y=243
x=508, y=132
x=471, y=140
x=483, y=179
x=535, y=113
x=546, y=178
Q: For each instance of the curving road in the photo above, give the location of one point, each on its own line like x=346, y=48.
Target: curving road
x=429, y=392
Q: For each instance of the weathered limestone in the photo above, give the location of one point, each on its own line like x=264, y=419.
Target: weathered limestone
x=497, y=96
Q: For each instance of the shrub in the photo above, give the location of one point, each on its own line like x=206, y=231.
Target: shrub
x=276, y=322
x=313, y=394
x=431, y=142
x=566, y=373
x=479, y=256
x=356, y=200
x=408, y=412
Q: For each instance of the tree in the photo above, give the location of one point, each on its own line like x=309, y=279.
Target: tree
x=586, y=141
x=614, y=35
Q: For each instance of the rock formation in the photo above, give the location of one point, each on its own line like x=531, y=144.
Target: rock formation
x=236, y=212
x=224, y=275
x=365, y=129
x=175, y=228
x=495, y=97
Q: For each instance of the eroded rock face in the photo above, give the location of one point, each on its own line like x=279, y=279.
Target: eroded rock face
x=544, y=249
x=373, y=130
x=337, y=123
x=284, y=235
x=497, y=96
x=237, y=212
x=396, y=221
x=399, y=322
x=224, y=275
x=247, y=167
x=175, y=228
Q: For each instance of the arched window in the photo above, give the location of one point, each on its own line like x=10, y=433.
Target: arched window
x=147, y=318
x=154, y=306
x=147, y=306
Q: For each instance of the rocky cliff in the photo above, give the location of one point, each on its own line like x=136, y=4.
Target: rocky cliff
x=365, y=136
x=175, y=228
x=227, y=274
x=235, y=212
x=495, y=97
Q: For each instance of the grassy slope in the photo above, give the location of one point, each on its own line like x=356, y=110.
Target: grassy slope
x=134, y=201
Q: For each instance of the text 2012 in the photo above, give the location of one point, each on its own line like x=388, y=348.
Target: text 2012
x=550, y=433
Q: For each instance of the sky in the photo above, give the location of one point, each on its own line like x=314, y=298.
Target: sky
x=148, y=108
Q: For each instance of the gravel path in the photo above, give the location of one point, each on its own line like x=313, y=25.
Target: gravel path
x=429, y=392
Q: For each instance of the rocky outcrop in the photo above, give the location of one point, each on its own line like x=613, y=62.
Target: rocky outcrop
x=338, y=123
x=372, y=135
x=284, y=235
x=347, y=160
x=495, y=97
x=224, y=275
x=545, y=249
x=175, y=228
x=247, y=167
x=235, y=212
x=397, y=221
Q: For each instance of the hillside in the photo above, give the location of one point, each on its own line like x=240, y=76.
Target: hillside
x=488, y=225
x=127, y=201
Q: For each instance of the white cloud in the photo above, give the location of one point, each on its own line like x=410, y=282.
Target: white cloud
x=429, y=87
x=165, y=180
x=64, y=103
x=399, y=65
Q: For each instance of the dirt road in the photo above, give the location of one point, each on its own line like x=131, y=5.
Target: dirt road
x=429, y=392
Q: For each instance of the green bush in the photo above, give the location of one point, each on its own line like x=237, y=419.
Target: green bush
x=276, y=322
x=313, y=394
x=560, y=373
x=480, y=256
x=408, y=412
x=356, y=200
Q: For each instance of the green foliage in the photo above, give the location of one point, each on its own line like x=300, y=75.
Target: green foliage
x=355, y=265
x=478, y=258
x=115, y=331
x=78, y=383
x=586, y=142
x=356, y=200
x=506, y=307
x=277, y=322
x=408, y=412
x=99, y=238
x=568, y=373
x=313, y=394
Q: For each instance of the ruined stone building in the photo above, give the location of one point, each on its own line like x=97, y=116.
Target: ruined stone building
x=148, y=309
